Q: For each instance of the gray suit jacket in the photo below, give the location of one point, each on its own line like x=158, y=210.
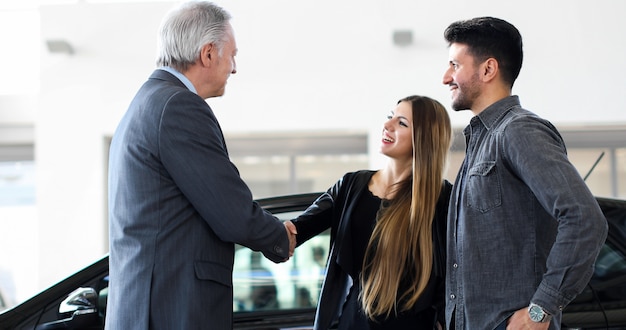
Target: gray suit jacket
x=177, y=205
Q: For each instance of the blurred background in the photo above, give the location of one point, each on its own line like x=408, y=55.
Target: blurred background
x=315, y=82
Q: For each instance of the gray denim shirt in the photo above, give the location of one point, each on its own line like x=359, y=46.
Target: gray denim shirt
x=522, y=224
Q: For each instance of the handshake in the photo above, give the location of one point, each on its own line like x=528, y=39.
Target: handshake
x=291, y=233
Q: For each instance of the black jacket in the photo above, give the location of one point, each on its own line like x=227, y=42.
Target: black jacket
x=333, y=210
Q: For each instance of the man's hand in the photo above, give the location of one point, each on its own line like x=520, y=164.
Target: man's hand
x=521, y=321
x=291, y=233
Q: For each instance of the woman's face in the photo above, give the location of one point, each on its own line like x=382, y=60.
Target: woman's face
x=397, y=139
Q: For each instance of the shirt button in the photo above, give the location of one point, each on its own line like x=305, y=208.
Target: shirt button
x=452, y=296
x=455, y=265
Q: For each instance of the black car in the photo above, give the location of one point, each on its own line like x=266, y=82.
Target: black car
x=283, y=296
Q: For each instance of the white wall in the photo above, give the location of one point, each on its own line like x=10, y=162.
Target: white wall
x=82, y=97
x=303, y=65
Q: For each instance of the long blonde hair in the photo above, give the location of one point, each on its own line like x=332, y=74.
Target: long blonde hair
x=401, y=242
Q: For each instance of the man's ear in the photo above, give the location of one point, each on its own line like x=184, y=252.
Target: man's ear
x=206, y=54
x=489, y=69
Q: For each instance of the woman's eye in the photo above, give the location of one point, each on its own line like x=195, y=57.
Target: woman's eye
x=404, y=124
x=389, y=117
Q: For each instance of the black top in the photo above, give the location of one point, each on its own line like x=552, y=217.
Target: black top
x=352, y=316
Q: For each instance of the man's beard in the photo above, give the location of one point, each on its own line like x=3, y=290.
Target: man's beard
x=467, y=94
x=461, y=103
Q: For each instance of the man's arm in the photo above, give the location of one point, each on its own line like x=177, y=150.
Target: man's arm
x=537, y=154
x=194, y=153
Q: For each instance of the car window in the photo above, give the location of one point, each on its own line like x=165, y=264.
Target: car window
x=610, y=263
x=259, y=284
x=602, y=303
x=609, y=277
x=610, y=273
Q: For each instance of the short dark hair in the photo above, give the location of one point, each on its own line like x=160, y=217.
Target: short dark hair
x=490, y=37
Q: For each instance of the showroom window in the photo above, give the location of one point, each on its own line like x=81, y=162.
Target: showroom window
x=291, y=163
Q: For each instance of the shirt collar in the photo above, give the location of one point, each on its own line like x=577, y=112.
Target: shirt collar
x=492, y=113
x=180, y=77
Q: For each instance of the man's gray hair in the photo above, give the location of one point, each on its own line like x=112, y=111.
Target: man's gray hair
x=186, y=29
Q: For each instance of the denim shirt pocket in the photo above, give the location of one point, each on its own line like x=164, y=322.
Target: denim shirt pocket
x=483, y=187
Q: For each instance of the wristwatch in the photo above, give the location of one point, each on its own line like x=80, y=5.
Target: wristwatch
x=538, y=314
